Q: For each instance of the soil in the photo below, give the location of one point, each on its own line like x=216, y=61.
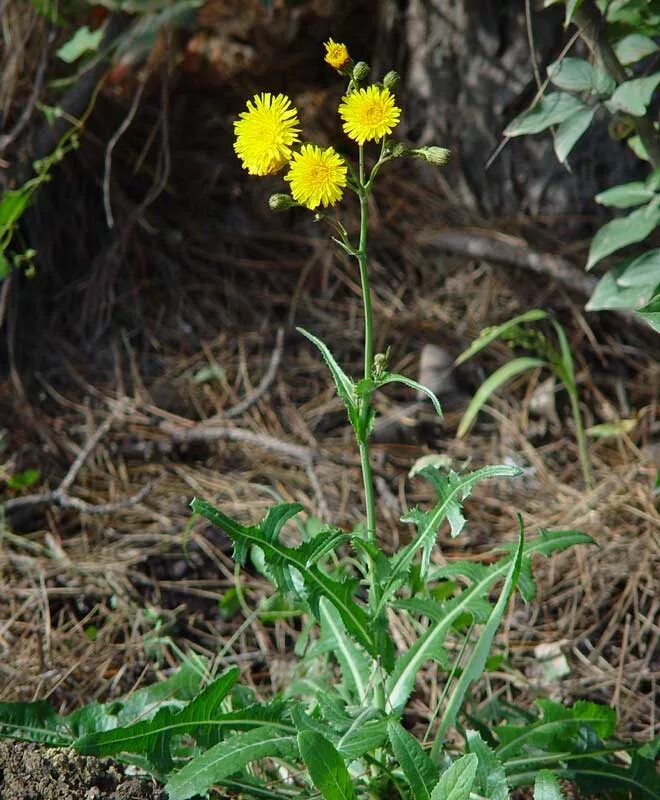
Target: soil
x=31, y=771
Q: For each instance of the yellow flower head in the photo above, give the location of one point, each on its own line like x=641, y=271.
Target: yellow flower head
x=369, y=114
x=265, y=133
x=317, y=176
x=336, y=54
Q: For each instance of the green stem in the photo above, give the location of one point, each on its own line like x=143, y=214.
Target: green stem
x=365, y=408
x=581, y=437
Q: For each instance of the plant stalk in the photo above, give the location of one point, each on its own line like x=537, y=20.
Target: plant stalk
x=581, y=437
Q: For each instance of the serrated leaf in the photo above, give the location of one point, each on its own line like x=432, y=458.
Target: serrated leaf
x=34, y=722
x=421, y=773
x=492, y=383
x=83, y=41
x=456, y=783
x=227, y=758
x=490, y=779
x=489, y=335
x=451, y=490
x=345, y=386
x=546, y=786
x=651, y=313
x=365, y=738
x=625, y=195
x=326, y=767
x=624, y=231
x=634, y=96
x=356, y=666
x=392, y=377
x=200, y=719
x=552, y=109
x=569, y=132
x=282, y=560
x=474, y=666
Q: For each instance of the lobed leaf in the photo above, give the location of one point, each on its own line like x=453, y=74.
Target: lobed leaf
x=546, y=786
x=356, y=666
x=490, y=780
x=420, y=771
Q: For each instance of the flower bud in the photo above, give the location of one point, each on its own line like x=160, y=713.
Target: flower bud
x=391, y=80
x=360, y=71
x=438, y=156
x=281, y=202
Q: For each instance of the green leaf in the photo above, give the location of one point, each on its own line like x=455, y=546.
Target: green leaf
x=569, y=132
x=34, y=722
x=608, y=294
x=624, y=231
x=571, y=7
x=578, y=75
x=391, y=377
x=651, y=313
x=489, y=335
x=365, y=738
x=285, y=563
x=345, y=386
x=634, y=96
x=474, y=667
x=153, y=737
x=13, y=204
x=551, y=109
x=625, y=195
x=546, y=786
x=23, y=480
x=356, y=666
x=451, y=489
x=226, y=758
x=456, y=783
x=420, y=771
x=618, y=428
x=634, y=47
x=83, y=41
x=642, y=271
x=326, y=767
x=490, y=780
x=492, y=383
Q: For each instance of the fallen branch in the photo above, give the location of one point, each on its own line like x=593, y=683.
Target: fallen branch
x=264, y=383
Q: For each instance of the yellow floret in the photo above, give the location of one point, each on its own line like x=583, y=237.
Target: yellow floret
x=317, y=176
x=265, y=133
x=369, y=114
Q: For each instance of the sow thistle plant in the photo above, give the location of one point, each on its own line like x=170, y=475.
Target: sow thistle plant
x=339, y=731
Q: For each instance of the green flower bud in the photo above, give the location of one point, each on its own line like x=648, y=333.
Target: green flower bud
x=438, y=156
x=360, y=71
x=391, y=80
x=281, y=202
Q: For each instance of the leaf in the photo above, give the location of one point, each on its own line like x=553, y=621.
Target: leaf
x=571, y=7
x=634, y=47
x=489, y=335
x=365, y=738
x=476, y=662
x=356, y=666
x=326, y=767
x=578, y=75
x=492, y=383
x=551, y=109
x=624, y=231
x=391, y=377
x=34, y=722
x=456, y=783
x=634, y=96
x=420, y=771
x=285, y=562
x=625, y=195
x=490, y=780
x=23, y=480
x=546, y=786
x=569, y=132
x=608, y=294
x=345, y=386
x=651, y=313
x=152, y=737
x=13, y=204
x=83, y=41
x=227, y=758
x=618, y=428
x=451, y=491
x=642, y=271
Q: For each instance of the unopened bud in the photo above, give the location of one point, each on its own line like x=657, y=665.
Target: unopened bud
x=391, y=80
x=438, y=156
x=397, y=149
x=281, y=202
x=360, y=71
